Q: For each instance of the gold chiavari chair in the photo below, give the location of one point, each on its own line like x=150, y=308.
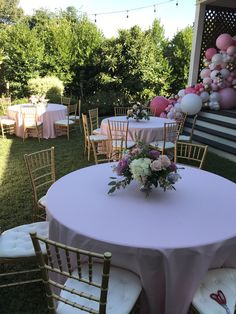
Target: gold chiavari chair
x=121, y=111
x=106, y=151
x=76, y=116
x=64, y=126
x=16, y=250
x=188, y=138
x=170, y=135
x=181, y=122
x=94, y=121
x=193, y=154
x=89, y=138
x=65, y=100
x=7, y=125
x=149, y=111
x=41, y=169
x=118, y=132
x=31, y=124
x=93, y=287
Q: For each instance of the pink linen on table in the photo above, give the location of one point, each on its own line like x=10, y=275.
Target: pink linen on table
x=169, y=239
x=48, y=115
x=146, y=130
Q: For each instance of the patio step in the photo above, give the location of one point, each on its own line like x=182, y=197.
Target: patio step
x=217, y=130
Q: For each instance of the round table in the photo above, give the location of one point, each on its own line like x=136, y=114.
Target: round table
x=145, y=130
x=169, y=239
x=48, y=115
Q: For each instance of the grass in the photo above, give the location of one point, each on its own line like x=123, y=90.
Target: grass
x=16, y=200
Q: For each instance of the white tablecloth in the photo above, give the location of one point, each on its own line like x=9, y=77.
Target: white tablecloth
x=145, y=130
x=169, y=239
x=48, y=115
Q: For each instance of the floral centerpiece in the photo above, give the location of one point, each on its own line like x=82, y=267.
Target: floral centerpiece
x=138, y=112
x=36, y=99
x=148, y=167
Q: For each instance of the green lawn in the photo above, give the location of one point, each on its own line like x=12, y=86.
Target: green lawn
x=16, y=199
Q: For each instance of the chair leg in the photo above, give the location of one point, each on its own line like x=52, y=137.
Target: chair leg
x=2, y=128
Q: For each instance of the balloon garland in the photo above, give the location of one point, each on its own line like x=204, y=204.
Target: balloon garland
x=217, y=89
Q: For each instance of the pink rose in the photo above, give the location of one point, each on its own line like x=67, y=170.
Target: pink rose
x=165, y=161
x=156, y=165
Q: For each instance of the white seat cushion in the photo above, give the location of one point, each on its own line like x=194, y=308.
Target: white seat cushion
x=3, y=117
x=97, y=138
x=16, y=242
x=184, y=138
x=97, y=131
x=223, y=279
x=160, y=144
x=118, y=143
x=123, y=290
x=73, y=117
x=42, y=201
x=32, y=124
x=64, y=122
x=8, y=121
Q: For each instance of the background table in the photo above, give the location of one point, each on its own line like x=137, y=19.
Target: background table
x=48, y=115
x=145, y=130
x=169, y=239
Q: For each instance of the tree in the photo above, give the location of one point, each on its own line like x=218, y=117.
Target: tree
x=178, y=53
x=9, y=11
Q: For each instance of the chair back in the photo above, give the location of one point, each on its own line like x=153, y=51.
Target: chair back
x=65, y=100
x=107, y=150
x=149, y=111
x=85, y=126
x=60, y=261
x=93, y=119
x=72, y=111
x=193, y=126
x=121, y=111
x=29, y=116
x=4, y=103
x=170, y=132
x=41, y=169
x=181, y=122
x=193, y=154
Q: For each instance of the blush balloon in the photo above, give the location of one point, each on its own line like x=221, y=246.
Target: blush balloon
x=158, y=105
x=224, y=41
x=227, y=98
x=209, y=53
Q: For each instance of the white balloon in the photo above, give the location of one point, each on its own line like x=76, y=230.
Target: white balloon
x=204, y=96
x=181, y=93
x=226, y=58
x=212, y=66
x=177, y=107
x=217, y=58
x=214, y=74
x=225, y=73
x=191, y=104
x=214, y=105
x=170, y=115
x=214, y=96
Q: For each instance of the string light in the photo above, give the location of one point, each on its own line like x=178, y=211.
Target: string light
x=177, y=3
x=95, y=18
x=134, y=9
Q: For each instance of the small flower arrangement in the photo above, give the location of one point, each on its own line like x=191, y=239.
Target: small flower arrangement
x=148, y=167
x=36, y=99
x=138, y=112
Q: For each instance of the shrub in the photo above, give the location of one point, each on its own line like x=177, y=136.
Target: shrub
x=49, y=86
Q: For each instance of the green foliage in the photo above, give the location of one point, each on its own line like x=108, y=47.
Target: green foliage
x=51, y=87
x=9, y=11
x=178, y=53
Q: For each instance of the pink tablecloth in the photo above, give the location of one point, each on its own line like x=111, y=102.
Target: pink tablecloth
x=169, y=239
x=48, y=116
x=145, y=130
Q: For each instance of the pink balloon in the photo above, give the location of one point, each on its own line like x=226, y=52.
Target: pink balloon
x=214, y=87
x=205, y=73
x=163, y=115
x=210, y=52
x=207, y=80
x=224, y=41
x=231, y=50
x=227, y=98
x=158, y=105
